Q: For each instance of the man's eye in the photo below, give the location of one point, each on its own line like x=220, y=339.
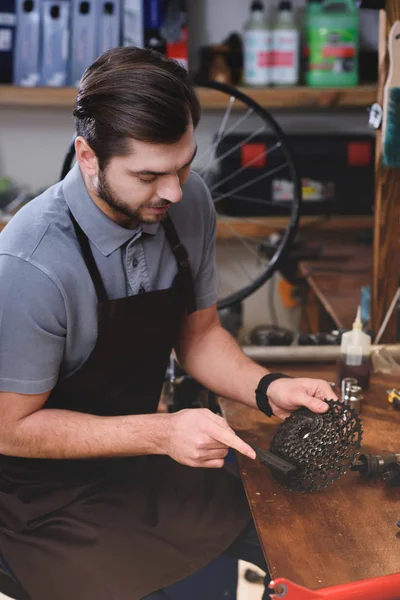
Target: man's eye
x=147, y=180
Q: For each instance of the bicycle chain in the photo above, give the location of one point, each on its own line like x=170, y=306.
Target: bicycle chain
x=322, y=446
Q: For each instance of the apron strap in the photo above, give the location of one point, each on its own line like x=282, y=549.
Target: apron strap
x=89, y=260
x=182, y=258
x=178, y=250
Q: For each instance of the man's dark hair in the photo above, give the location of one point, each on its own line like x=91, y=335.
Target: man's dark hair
x=133, y=94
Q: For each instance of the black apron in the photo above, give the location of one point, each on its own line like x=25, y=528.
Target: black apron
x=118, y=529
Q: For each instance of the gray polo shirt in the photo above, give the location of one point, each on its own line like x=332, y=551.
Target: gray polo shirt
x=48, y=305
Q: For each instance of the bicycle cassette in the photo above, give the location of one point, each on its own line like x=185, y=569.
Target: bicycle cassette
x=321, y=446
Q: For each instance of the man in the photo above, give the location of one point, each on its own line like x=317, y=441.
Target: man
x=100, y=278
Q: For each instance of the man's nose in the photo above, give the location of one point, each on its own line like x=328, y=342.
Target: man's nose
x=170, y=189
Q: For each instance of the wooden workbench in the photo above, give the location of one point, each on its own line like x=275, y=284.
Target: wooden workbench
x=345, y=532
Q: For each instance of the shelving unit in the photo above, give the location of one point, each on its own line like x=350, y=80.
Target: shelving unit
x=296, y=97
x=258, y=227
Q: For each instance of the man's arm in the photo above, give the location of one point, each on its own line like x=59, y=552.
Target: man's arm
x=194, y=438
x=27, y=430
x=211, y=356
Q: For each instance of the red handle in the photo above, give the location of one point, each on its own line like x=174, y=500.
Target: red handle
x=381, y=588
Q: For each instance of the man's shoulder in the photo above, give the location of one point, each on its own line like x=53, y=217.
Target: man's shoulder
x=196, y=208
x=195, y=191
x=38, y=223
x=40, y=235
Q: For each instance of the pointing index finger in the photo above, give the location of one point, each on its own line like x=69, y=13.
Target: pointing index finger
x=229, y=437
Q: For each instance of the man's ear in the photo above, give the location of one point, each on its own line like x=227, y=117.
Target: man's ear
x=86, y=157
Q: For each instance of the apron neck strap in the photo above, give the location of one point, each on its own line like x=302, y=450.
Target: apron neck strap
x=182, y=259
x=89, y=260
x=178, y=250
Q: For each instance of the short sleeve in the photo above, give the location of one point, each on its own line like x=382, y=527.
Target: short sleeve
x=206, y=279
x=32, y=327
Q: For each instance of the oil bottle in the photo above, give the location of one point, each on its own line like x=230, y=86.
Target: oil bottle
x=355, y=354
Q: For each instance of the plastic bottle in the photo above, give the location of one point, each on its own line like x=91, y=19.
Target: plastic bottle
x=355, y=354
x=313, y=6
x=285, y=46
x=332, y=39
x=257, y=47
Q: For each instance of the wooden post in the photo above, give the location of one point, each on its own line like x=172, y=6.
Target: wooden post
x=386, y=251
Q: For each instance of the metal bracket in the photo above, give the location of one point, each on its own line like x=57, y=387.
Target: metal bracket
x=375, y=116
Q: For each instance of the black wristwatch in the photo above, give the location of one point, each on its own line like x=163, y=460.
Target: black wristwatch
x=261, y=392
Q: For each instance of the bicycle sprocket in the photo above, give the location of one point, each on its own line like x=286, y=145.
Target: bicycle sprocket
x=321, y=446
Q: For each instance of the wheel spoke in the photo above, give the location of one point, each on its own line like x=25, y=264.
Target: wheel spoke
x=241, y=239
x=251, y=162
x=232, y=128
x=249, y=183
x=221, y=130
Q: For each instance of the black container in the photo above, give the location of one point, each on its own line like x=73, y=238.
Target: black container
x=337, y=173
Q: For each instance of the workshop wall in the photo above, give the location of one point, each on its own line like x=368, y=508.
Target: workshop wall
x=33, y=142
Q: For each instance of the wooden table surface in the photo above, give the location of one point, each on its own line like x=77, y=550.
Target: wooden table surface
x=345, y=532
x=337, y=277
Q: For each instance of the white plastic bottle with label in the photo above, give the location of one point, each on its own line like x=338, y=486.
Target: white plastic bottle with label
x=257, y=44
x=355, y=354
x=285, y=46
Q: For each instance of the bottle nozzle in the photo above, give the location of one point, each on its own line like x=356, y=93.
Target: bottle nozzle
x=358, y=323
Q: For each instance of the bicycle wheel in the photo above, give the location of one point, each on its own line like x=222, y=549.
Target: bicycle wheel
x=235, y=168
x=251, y=173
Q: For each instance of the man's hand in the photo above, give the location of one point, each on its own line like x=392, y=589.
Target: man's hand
x=286, y=395
x=200, y=438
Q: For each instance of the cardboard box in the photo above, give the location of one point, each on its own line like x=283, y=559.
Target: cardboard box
x=55, y=42
x=27, y=46
x=8, y=21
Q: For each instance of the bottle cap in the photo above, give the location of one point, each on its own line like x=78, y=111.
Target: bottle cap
x=257, y=5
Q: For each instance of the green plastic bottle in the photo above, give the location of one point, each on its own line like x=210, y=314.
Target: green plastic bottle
x=332, y=39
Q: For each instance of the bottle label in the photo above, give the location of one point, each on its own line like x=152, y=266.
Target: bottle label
x=332, y=51
x=354, y=356
x=257, y=57
x=285, y=56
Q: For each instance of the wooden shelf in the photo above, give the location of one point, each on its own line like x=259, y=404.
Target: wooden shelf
x=296, y=97
x=230, y=227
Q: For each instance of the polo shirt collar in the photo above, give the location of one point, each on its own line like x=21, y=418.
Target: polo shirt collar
x=104, y=233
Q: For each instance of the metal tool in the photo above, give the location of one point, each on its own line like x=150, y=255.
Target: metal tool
x=321, y=446
x=347, y=383
x=394, y=398
x=387, y=465
x=356, y=398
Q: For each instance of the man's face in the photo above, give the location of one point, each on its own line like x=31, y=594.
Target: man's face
x=140, y=187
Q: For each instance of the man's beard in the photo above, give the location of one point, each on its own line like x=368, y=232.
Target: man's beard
x=106, y=194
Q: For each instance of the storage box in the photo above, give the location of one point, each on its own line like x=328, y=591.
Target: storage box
x=84, y=27
x=337, y=173
x=27, y=47
x=109, y=28
x=133, y=23
x=55, y=42
x=8, y=20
